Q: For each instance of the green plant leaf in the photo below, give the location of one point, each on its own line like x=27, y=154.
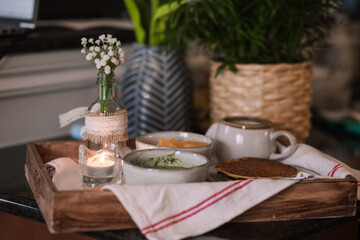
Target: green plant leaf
x=253, y=31
x=134, y=9
x=157, y=28
x=220, y=69
x=154, y=5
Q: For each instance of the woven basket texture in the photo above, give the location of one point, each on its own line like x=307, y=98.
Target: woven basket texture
x=281, y=93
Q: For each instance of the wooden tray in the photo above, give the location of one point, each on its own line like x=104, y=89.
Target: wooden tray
x=90, y=210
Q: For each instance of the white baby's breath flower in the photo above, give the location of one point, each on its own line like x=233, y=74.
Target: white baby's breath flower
x=83, y=41
x=105, y=52
x=89, y=57
x=102, y=62
x=115, y=61
x=107, y=69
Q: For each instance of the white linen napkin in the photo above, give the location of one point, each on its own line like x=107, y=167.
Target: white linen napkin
x=65, y=173
x=326, y=166
x=176, y=211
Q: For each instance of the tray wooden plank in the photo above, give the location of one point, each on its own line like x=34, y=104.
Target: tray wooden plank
x=90, y=210
x=307, y=199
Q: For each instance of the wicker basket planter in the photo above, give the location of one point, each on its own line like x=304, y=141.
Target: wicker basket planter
x=281, y=93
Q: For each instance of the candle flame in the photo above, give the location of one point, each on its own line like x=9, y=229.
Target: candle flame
x=102, y=158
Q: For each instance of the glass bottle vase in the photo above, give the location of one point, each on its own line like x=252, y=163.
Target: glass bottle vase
x=106, y=120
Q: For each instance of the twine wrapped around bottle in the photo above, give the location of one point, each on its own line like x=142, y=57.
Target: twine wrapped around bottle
x=106, y=128
x=280, y=93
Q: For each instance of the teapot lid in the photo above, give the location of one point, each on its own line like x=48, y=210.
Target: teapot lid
x=247, y=122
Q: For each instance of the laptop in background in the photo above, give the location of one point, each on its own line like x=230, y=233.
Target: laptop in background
x=17, y=15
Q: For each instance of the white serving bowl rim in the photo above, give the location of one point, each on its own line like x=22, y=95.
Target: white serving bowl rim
x=166, y=151
x=174, y=132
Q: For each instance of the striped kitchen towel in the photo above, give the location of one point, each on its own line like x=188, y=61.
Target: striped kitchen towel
x=176, y=211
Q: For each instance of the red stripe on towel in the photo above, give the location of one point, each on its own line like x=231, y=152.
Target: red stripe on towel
x=336, y=170
x=197, y=205
x=332, y=172
x=201, y=209
x=333, y=169
x=75, y=160
x=50, y=168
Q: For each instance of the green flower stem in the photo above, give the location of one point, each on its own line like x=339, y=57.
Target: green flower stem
x=105, y=83
x=105, y=96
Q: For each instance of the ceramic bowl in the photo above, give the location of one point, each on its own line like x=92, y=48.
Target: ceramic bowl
x=150, y=140
x=149, y=166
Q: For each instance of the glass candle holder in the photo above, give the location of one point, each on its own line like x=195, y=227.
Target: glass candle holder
x=99, y=167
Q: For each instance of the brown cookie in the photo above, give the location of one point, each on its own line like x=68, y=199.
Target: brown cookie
x=249, y=167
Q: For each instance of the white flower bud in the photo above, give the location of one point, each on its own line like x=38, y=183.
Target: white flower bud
x=102, y=37
x=107, y=69
x=83, y=41
x=91, y=48
x=98, y=66
x=91, y=40
x=83, y=51
x=102, y=54
x=97, y=49
x=89, y=57
x=111, y=53
x=102, y=62
x=115, y=61
x=106, y=57
x=97, y=42
x=96, y=61
x=105, y=46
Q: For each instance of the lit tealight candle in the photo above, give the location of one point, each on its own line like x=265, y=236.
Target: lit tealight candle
x=101, y=165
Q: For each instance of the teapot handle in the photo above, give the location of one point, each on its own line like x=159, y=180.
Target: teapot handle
x=289, y=150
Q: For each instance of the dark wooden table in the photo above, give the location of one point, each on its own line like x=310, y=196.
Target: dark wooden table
x=20, y=217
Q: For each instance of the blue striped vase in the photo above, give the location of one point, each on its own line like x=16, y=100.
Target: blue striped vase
x=156, y=91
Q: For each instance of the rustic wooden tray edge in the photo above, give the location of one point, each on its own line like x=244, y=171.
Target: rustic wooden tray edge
x=66, y=211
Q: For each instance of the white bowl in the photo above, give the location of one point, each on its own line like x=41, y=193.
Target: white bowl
x=138, y=169
x=150, y=141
